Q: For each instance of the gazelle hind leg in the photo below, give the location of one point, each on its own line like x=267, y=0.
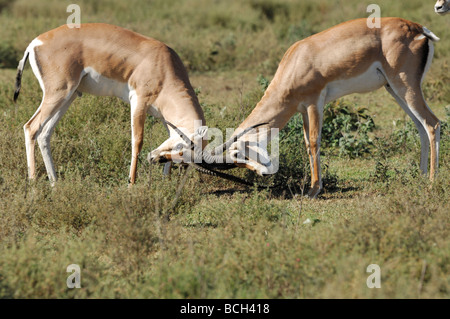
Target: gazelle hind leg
x=410, y=98
x=31, y=131
x=30, y=143
x=40, y=127
x=44, y=137
x=424, y=141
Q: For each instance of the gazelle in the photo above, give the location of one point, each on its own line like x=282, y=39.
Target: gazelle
x=442, y=7
x=107, y=60
x=348, y=58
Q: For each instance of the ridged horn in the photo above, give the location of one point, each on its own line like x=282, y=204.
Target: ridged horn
x=222, y=148
x=229, y=177
x=182, y=135
x=215, y=158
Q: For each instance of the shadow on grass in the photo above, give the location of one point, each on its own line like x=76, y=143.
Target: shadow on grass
x=284, y=193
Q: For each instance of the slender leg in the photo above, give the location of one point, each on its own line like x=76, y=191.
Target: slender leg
x=30, y=148
x=45, y=136
x=30, y=140
x=315, y=116
x=306, y=137
x=41, y=127
x=410, y=98
x=405, y=85
x=424, y=141
x=138, y=116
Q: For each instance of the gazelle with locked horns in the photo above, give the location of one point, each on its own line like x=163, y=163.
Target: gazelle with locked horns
x=107, y=60
x=347, y=58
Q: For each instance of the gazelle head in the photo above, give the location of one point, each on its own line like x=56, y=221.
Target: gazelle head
x=251, y=152
x=179, y=147
x=442, y=7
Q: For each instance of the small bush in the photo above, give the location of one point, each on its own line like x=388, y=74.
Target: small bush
x=8, y=54
x=344, y=127
x=4, y=4
x=263, y=82
x=347, y=127
x=270, y=10
x=295, y=32
x=293, y=153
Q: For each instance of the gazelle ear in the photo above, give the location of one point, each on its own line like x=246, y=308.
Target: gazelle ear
x=201, y=131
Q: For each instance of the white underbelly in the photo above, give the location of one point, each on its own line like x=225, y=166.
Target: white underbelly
x=370, y=80
x=94, y=83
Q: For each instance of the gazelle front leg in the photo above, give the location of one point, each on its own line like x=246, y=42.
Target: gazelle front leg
x=138, y=116
x=315, y=120
x=306, y=137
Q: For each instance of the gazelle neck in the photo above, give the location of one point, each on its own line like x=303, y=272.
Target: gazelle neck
x=179, y=105
x=275, y=108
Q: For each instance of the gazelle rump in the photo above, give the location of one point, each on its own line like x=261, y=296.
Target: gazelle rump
x=107, y=60
x=348, y=58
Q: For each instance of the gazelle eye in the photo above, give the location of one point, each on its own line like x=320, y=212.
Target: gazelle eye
x=179, y=147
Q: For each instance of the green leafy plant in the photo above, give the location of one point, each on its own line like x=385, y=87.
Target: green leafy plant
x=346, y=127
x=8, y=55
x=263, y=82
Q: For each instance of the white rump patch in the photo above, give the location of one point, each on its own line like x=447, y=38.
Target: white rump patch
x=32, y=58
x=35, y=68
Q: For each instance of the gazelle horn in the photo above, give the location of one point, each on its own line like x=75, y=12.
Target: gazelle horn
x=222, y=148
x=229, y=177
x=212, y=158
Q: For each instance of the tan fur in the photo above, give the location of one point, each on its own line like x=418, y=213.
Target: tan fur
x=312, y=67
x=148, y=66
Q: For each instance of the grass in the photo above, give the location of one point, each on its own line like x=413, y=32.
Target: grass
x=220, y=240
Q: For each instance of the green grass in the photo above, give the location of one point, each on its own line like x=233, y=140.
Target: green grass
x=218, y=240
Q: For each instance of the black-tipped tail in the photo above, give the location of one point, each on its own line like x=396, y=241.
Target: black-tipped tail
x=19, y=75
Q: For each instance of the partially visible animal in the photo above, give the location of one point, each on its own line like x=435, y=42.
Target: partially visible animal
x=442, y=7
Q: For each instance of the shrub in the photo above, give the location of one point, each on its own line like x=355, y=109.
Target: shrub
x=270, y=10
x=8, y=54
x=347, y=127
x=344, y=127
x=4, y=4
